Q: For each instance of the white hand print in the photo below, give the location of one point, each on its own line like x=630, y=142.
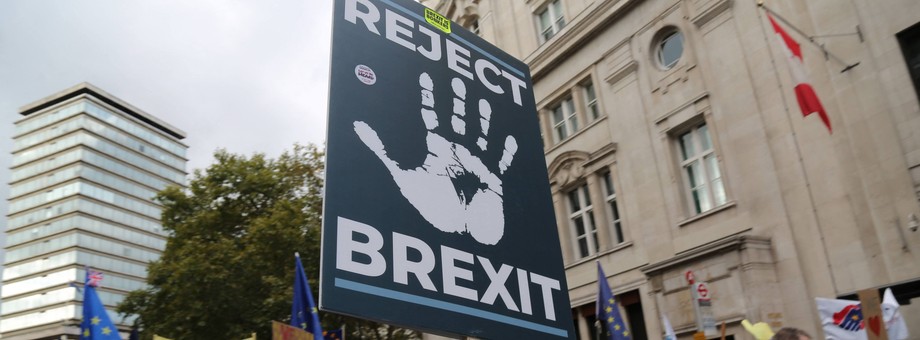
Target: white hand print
x=440, y=188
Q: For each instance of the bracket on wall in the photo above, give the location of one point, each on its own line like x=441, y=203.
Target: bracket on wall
x=858, y=33
x=811, y=38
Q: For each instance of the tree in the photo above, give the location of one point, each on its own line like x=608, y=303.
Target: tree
x=228, y=266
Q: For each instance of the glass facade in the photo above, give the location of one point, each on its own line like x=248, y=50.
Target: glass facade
x=106, y=146
x=84, y=175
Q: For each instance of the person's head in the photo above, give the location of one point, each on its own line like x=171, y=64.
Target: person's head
x=790, y=333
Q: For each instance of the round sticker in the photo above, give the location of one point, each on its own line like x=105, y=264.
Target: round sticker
x=365, y=74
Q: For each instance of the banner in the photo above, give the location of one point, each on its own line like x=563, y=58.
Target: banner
x=843, y=319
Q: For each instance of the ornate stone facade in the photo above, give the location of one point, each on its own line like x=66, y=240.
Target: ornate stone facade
x=679, y=120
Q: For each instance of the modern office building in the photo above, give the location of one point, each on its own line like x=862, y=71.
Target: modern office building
x=674, y=142
x=85, y=168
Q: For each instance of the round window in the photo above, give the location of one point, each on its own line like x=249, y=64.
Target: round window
x=670, y=48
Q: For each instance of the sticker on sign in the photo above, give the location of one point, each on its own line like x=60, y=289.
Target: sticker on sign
x=365, y=74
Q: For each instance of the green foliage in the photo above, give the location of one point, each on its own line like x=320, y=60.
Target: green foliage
x=228, y=267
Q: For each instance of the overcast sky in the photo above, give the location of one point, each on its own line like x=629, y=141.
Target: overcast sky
x=247, y=76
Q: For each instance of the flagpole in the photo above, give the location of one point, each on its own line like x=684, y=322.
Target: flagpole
x=810, y=39
x=597, y=328
x=801, y=162
x=597, y=317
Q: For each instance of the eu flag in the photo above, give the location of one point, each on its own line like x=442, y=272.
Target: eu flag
x=96, y=324
x=303, y=310
x=608, y=309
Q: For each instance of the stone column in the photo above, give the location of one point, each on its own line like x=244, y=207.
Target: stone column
x=599, y=209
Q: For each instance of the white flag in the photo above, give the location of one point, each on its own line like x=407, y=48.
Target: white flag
x=897, y=328
x=668, y=331
x=841, y=319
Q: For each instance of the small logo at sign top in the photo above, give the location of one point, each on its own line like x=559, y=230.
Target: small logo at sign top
x=437, y=20
x=365, y=74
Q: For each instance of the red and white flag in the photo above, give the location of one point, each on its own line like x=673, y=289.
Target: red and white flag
x=804, y=93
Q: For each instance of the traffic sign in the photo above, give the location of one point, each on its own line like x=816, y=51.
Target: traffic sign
x=703, y=291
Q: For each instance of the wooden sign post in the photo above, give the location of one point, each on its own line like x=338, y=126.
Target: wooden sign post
x=871, y=305
x=282, y=331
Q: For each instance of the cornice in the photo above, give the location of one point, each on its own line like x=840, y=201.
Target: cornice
x=710, y=11
x=574, y=35
x=731, y=243
x=601, y=154
x=87, y=90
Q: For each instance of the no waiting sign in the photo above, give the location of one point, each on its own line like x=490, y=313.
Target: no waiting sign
x=437, y=210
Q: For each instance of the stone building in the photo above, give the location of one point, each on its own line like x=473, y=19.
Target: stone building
x=674, y=142
x=86, y=166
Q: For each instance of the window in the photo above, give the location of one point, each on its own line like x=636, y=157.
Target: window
x=670, y=48
x=700, y=168
x=632, y=304
x=565, y=121
x=581, y=219
x=585, y=314
x=474, y=26
x=590, y=100
x=550, y=20
x=910, y=46
x=614, y=217
x=575, y=108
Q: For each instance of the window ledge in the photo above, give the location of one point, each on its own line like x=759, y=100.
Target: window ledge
x=710, y=212
x=598, y=255
x=603, y=116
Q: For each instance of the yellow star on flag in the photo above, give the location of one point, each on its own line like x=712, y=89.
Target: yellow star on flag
x=106, y=330
x=314, y=310
x=303, y=325
x=625, y=333
x=86, y=333
x=95, y=320
x=610, y=319
x=616, y=327
x=609, y=309
x=612, y=301
x=855, y=317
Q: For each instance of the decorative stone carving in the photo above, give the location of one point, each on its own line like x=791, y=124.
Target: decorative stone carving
x=459, y=11
x=567, y=169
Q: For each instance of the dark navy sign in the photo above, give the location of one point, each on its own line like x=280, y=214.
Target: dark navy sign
x=437, y=211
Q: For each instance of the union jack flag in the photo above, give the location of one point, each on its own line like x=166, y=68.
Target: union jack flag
x=849, y=318
x=93, y=278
